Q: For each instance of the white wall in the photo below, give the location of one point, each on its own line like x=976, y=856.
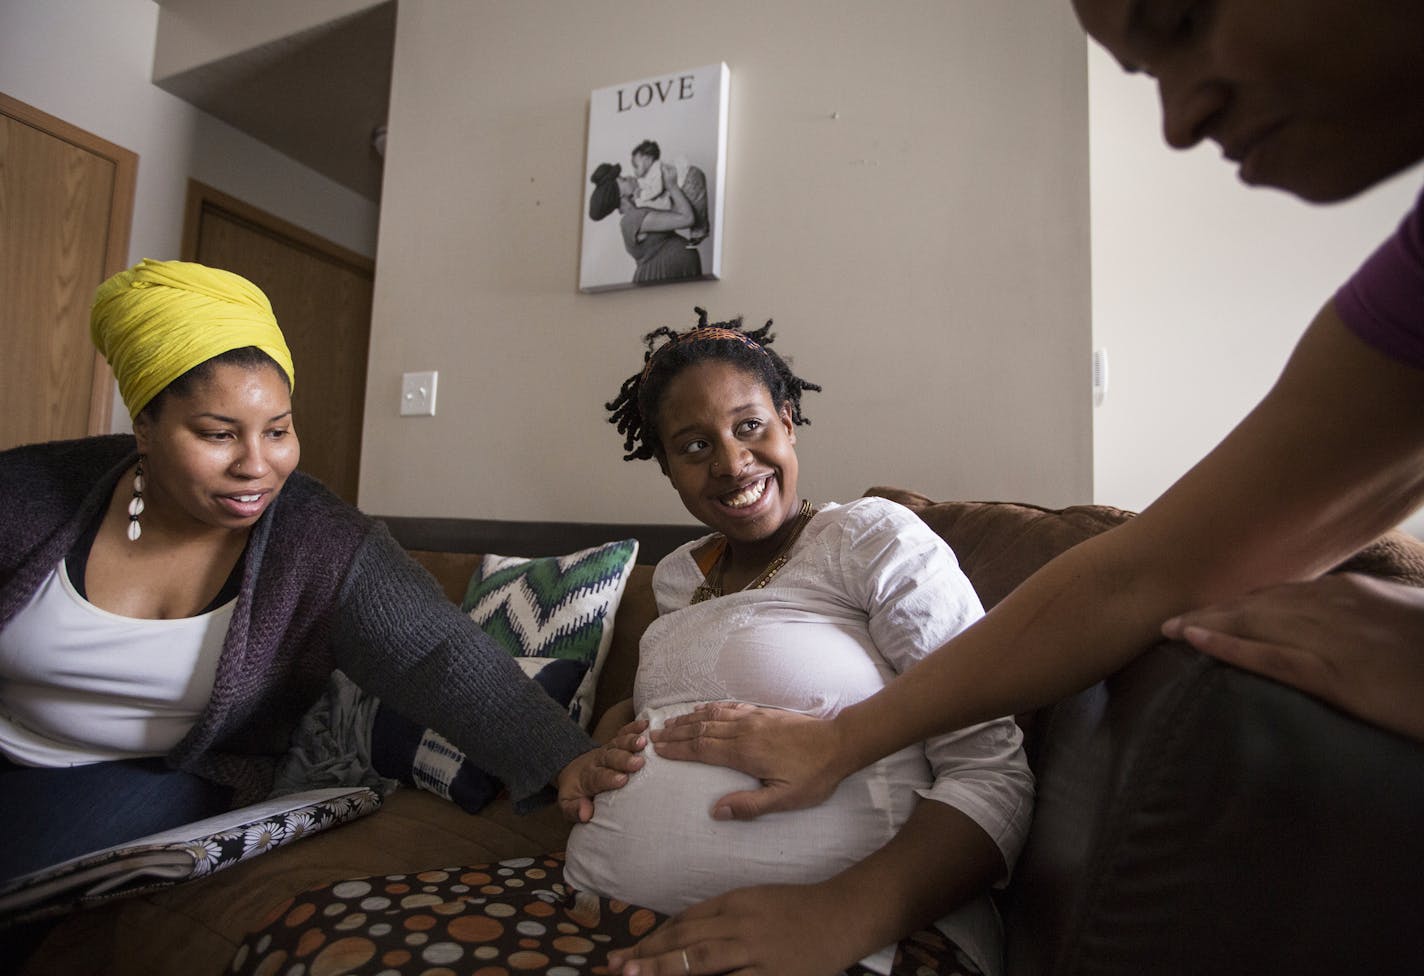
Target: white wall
x=1201, y=285
x=906, y=196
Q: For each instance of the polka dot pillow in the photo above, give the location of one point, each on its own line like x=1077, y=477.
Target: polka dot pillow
x=514, y=917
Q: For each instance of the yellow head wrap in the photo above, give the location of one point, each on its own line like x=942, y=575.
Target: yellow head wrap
x=159, y=319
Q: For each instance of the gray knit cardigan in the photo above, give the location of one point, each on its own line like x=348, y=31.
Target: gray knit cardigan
x=324, y=586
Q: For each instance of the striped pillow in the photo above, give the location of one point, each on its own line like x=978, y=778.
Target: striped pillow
x=555, y=615
x=554, y=609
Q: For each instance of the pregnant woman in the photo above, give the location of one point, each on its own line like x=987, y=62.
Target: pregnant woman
x=807, y=608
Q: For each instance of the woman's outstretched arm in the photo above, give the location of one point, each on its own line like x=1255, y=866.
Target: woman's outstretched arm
x=1330, y=459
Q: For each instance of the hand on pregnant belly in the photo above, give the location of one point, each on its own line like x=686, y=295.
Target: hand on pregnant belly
x=654, y=843
x=598, y=770
x=794, y=756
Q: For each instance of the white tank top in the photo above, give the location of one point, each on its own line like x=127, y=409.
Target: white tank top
x=81, y=685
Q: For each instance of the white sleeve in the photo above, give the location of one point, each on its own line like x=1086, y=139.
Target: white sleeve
x=909, y=582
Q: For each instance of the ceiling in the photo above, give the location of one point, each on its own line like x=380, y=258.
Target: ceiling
x=315, y=96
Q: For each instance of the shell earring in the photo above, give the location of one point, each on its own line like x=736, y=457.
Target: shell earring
x=136, y=504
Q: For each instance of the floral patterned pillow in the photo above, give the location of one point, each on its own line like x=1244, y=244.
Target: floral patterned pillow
x=181, y=854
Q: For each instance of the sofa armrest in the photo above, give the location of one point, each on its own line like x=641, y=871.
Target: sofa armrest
x=1195, y=818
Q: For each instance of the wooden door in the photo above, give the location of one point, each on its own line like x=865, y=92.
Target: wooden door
x=321, y=294
x=66, y=207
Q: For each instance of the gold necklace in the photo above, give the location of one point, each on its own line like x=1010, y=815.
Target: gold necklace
x=711, y=588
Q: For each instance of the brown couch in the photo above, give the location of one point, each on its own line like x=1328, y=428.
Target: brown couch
x=1191, y=818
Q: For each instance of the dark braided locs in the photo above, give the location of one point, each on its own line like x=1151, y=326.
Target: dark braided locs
x=635, y=408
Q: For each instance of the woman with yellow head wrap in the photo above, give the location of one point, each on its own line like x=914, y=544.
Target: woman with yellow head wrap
x=159, y=319
x=172, y=601
x=167, y=326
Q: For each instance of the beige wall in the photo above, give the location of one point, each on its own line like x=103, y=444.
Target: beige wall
x=906, y=195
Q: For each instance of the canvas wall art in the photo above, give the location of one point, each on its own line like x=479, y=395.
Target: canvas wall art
x=654, y=180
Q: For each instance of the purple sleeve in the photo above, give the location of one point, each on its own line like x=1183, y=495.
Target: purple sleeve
x=1383, y=302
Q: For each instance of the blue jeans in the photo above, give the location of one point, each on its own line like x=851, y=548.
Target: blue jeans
x=51, y=815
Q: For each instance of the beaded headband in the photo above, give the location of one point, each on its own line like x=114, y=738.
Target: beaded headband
x=697, y=335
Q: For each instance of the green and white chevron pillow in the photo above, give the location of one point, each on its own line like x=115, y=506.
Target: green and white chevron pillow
x=554, y=613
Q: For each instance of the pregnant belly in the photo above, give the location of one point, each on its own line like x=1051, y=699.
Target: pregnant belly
x=654, y=843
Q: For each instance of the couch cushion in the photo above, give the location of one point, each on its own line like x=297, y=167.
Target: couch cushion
x=1000, y=544
x=636, y=610
x=1194, y=818
x=452, y=570
x=1396, y=556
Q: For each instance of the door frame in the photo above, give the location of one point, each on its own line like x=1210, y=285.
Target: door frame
x=116, y=245
x=203, y=197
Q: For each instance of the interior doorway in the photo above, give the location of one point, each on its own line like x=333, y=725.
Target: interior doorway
x=321, y=294
x=66, y=209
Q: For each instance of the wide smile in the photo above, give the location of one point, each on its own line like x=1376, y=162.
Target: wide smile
x=747, y=496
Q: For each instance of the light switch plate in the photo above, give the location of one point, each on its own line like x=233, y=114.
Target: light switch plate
x=418, y=394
